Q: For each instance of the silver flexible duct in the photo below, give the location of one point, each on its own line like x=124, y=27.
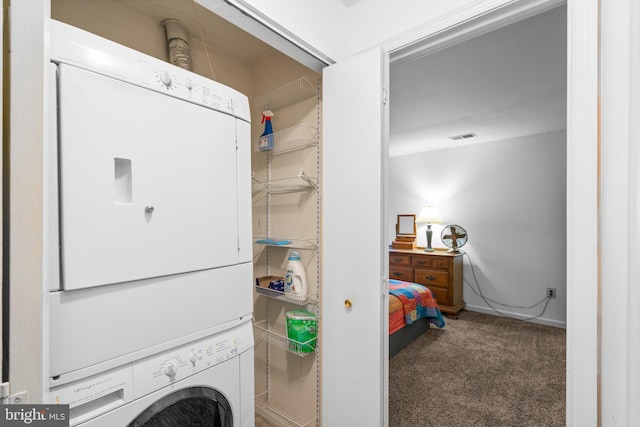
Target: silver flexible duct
x=179, y=48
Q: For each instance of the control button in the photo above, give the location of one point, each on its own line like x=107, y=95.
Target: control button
x=189, y=85
x=193, y=359
x=170, y=370
x=165, y=78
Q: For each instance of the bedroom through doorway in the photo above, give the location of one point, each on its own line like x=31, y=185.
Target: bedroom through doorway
x=506, y=184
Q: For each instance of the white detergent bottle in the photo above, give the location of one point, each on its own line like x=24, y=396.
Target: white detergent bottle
x=295, y=283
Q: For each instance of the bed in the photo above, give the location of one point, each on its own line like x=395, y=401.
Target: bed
x=412, y=309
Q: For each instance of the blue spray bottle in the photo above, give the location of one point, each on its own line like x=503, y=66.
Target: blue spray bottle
x=265, y=142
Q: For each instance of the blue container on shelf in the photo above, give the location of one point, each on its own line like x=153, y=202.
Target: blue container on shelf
x=265, y=142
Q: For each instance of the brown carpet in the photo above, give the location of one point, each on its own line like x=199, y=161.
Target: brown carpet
x=480, y=370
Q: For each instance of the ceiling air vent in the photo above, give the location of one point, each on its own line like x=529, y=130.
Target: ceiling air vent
x=463, y=136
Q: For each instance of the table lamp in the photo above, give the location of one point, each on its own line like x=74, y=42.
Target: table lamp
x=429, y=215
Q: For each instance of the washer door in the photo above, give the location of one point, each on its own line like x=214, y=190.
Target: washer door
x=193, y=407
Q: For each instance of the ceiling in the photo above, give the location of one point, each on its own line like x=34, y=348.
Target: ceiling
x=504, y=84
x=350, y=3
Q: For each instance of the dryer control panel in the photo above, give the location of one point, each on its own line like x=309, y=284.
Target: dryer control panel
x=173, y=365
x=73, y=46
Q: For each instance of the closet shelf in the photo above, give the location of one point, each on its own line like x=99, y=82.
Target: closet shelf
x=288, y=242
x=289, y=203
x=277, y=416
x=280, y=295
x=262, y=333
x=292, y=139
x=289, y=94
x=295, y=184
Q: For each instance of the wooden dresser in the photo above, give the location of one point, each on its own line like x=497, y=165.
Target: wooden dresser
x=440, y=271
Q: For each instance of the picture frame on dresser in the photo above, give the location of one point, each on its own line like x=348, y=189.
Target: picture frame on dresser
x=405, y=232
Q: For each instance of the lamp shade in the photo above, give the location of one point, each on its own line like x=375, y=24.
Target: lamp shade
x=429, y=215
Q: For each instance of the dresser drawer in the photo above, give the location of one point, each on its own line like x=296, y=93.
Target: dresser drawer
x=422, y=262
x=431, y=262
x=399, y=273
x=441, y=295
x=400, y=259
x=432, y=277
x=440, y=262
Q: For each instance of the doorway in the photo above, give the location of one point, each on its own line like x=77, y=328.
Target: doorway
x=478, y=130
x=582, y=169
x=506, y=89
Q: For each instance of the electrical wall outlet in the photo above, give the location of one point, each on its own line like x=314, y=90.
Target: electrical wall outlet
x=551, y=292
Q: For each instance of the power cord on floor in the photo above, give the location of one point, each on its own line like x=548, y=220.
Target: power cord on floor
x=488, y=301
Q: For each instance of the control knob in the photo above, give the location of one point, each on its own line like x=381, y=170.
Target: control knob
x=165, y=78
x=170, y=370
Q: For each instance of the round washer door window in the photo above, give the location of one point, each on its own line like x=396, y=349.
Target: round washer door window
x=190, y=407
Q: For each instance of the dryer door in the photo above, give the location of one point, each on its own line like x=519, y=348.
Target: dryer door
x=148, y=183
x=195, y=406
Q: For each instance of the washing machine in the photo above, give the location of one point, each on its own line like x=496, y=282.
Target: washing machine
x=207, y=383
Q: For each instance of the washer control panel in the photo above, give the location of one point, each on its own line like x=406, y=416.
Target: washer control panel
x=73, y=46
x=103, y=392
x=173, y=365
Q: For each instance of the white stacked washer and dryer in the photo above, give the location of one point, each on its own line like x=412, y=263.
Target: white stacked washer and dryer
x=148, y=225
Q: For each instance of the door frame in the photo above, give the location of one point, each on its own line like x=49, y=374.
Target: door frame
x=29, y=124
x=2, y=167
x=620, y=214
x=2, y=183
x=583, y=252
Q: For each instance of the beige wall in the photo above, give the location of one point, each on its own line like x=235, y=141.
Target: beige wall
x=117, y=22
x=292, y=379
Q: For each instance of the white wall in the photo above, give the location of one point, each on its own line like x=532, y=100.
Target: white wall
x=340, y=32
x=321, y=24
x=372, y=22
x=510, y=196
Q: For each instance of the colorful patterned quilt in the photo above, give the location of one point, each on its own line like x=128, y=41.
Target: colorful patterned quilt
x=417, y=301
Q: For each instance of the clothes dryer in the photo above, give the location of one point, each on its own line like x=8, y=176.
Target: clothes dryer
x=148, y=212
